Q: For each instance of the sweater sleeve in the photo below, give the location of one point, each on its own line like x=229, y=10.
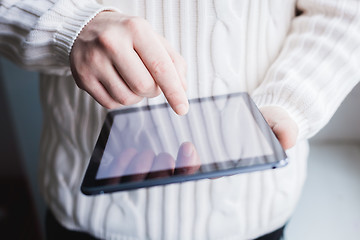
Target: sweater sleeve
x=38, y=34
x=318, y=64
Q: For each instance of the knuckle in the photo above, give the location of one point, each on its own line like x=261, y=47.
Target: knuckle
x=144, y=87
x=129, y=99
x=113, y=85
x=136, y=24
x=123, y=99
x=159, y=67
x=106, y=40
x=106, y=36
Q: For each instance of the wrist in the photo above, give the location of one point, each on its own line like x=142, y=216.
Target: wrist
x=72, y=24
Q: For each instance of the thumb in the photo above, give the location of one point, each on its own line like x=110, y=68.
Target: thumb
x=283, y=126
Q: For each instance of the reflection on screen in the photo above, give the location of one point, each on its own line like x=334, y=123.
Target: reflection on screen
x=215, y=134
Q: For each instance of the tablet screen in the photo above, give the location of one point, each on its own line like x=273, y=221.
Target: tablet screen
x=152, y=145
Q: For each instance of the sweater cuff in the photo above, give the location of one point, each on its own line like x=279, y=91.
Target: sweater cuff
x=290, y=107
x=77, y=17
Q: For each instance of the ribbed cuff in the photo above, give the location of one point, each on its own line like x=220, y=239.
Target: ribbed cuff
x=79, y=14
x=290, y=107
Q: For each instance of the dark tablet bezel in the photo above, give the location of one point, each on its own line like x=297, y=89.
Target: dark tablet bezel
x=92, y=186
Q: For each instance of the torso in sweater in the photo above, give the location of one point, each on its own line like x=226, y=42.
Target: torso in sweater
x=228, y=46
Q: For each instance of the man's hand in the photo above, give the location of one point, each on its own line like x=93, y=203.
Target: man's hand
x=119, y=59
x=284, y=127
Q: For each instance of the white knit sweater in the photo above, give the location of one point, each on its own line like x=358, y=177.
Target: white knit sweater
x=306, y=64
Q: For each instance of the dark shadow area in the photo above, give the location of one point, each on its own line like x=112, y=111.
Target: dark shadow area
x=18, y=217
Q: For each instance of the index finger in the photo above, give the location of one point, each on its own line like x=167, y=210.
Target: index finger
x=159, y=63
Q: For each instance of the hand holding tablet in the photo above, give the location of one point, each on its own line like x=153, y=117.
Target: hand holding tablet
x=150, y=146
x=133, y=166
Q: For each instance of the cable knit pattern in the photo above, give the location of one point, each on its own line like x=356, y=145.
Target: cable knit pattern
x=306, y=64
x=318, y=65
x=41, y=33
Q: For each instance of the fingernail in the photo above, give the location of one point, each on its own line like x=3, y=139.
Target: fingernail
x=188, y=151
x=182, y=109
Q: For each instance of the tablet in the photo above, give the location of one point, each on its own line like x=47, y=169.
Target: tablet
x=149, y=146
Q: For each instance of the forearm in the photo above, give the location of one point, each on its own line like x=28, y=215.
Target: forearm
x=317, y=66
x=38, y=35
